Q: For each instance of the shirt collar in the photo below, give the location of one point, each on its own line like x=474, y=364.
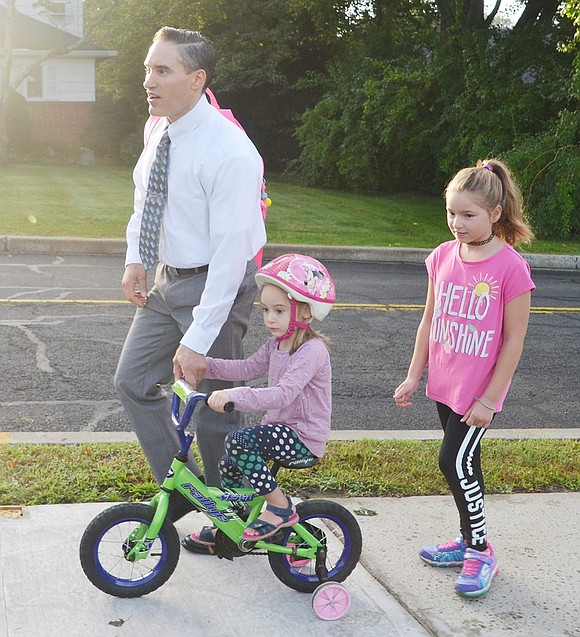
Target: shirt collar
x=190, y=121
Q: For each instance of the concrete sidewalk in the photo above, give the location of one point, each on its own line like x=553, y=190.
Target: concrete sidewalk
x=393, y=594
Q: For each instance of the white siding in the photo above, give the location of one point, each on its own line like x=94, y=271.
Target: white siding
x=75, y=79
x=63, y=79
x=71, y=21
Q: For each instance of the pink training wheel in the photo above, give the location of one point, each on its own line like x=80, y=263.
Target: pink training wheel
x=330, y=601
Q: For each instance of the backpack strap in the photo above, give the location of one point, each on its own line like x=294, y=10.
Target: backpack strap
x=226, y=112
x=265, y=201
x=151, y=125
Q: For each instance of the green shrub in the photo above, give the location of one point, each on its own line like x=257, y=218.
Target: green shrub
x=548, y=169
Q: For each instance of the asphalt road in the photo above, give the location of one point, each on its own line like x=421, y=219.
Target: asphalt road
x=63, y=321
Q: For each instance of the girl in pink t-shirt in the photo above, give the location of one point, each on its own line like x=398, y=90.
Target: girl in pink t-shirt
x=294, y=289
x=471, y=338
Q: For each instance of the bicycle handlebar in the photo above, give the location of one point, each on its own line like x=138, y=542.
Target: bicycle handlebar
x=184, y=392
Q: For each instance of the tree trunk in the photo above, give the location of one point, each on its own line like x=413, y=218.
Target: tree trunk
x=6, y=71
x=473, y=14
x=380, y=12
x=538, y=11
x=446, y=9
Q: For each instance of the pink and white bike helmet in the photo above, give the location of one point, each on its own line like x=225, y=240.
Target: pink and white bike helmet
x=303, y=279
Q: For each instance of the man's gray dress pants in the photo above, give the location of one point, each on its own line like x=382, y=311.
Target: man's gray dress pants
x=146, y=364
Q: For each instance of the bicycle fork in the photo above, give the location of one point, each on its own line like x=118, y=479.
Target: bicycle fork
x=138, y=545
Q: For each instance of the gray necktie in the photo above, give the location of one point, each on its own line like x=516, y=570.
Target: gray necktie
x=154, y=205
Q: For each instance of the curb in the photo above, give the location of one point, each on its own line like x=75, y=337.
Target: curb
x=90, y=437
x=79, y=245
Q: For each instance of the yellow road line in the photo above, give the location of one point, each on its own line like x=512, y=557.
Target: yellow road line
x=389, y=307
x=377, y=307
x=71, y=301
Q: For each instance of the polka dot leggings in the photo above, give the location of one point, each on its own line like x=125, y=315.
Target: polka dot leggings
x=248, y=450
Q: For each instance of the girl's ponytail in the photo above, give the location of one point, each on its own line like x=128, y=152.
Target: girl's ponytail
x=512, y=226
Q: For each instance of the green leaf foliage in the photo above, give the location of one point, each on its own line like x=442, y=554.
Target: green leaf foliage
x=373, y=97
x=410, y=120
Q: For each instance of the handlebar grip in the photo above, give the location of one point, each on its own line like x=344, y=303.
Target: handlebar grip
x=229, y=406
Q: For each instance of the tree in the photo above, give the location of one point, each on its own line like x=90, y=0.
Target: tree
x=268, y=51
x=407, y=114
x=538, y=12
x=549, y=163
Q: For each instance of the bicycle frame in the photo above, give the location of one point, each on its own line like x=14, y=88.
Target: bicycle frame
x=216, y=504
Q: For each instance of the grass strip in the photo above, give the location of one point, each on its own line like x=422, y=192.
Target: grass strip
x=96, y=201
x=116, y=472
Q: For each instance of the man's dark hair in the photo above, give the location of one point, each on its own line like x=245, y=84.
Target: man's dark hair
x=195, y=50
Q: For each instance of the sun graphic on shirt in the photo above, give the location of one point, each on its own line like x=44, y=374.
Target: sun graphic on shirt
x=485, y=285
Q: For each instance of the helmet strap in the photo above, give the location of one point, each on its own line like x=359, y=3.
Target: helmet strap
x=293, y=322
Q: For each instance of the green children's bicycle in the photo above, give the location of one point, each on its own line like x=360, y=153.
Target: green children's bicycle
x=131, y=549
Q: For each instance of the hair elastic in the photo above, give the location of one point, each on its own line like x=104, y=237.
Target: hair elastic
x=488, y=166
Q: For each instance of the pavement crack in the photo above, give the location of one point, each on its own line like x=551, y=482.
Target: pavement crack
x=42, y=361
x=102, y=411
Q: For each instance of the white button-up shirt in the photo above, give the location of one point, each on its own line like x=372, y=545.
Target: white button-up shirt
x=212, y=215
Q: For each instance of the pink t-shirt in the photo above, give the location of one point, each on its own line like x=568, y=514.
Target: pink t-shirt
x=299, y=392
x=466, y=330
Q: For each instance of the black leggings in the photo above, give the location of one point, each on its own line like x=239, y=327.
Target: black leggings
x=460, y=463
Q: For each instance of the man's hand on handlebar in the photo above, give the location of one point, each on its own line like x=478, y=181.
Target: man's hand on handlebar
x=189, y=365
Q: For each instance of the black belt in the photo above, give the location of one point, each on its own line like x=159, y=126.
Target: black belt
x=185, y=271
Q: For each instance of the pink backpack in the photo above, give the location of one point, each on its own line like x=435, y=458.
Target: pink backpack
x=265, y=201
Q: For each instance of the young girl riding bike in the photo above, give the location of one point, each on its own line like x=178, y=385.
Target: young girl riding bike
x=294, y=290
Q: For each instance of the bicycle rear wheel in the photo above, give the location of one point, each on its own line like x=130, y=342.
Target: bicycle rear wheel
x=106, y=542
x=332, y=525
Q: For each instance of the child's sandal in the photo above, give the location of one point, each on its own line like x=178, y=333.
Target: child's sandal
x=264, y=529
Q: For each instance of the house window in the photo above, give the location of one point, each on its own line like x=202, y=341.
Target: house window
x=42, y=83
x=57, y=8
x=34, y=83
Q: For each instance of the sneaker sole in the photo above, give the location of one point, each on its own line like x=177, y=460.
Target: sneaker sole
x=440, y=564
x=483, y=591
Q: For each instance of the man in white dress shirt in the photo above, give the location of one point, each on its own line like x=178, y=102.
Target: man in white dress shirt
x=211, y=228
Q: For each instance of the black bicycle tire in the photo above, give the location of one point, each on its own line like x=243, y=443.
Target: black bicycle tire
x=319, y=509
x=141, y=513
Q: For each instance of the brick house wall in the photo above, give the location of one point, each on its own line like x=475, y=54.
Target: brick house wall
x=59, y=121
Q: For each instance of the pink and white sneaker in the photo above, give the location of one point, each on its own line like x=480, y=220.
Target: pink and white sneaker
x=479, y=569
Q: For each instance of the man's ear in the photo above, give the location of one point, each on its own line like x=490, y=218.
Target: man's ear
x=198, y=78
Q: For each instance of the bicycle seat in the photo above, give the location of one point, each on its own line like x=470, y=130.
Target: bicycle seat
x=297, y=463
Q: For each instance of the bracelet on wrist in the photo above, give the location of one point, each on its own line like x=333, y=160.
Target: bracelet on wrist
x=486, y=406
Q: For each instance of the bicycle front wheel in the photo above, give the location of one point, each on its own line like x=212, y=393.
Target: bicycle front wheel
x=107, y=541
x=333, y=526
